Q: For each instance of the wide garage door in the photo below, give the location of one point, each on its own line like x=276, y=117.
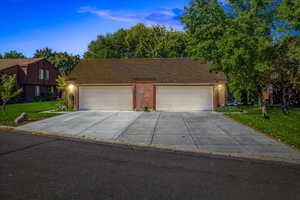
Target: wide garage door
x=105, y=98
x=184, y=98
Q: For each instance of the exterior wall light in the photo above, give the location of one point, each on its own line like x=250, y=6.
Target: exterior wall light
x=71, y=87
x=220, y=86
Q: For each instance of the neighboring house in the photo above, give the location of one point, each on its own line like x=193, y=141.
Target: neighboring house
x=37, y=77
x=274, y=95
x=159, y=84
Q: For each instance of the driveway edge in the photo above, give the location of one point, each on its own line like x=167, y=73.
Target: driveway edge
x=262, y=133
x=211, y=154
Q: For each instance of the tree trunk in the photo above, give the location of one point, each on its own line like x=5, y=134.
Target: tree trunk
x=259, y=101
x=264, y=109
x=3, y=106
x=285, y=108
x=248, y=97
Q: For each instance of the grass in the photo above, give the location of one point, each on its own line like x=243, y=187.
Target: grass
x=228, y=109
x=285, y=128
x=32, y=109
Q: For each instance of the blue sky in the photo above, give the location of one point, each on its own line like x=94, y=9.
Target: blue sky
x=69, y=25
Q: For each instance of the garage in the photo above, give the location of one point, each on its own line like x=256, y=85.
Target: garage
x=177, y=84
x=184, y=98
x=105, y=98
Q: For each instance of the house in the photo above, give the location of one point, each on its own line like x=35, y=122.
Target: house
x=176, y=84
x=37, y=77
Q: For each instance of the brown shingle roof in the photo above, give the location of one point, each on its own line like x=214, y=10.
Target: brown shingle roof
x=6, y=63
x=161, y=70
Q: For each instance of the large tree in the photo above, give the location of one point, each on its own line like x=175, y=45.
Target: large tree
x=286, y=57
x=62, y=60
x=240, y=37
x=12, y=54
x=139, y=42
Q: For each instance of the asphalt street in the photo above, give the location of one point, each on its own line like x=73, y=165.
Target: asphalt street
x=47, y=167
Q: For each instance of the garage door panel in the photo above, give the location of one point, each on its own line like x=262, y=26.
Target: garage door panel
x=183, y=98
x=105, y=98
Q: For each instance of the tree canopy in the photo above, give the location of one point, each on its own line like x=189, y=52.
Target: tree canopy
x=243, y=39
x=62, y=60
x=12, y=54
x=139, y=42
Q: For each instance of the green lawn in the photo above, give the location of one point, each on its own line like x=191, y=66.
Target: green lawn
x=285, y=128
x=32, y=109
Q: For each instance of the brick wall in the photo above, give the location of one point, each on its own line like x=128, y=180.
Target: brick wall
x=30, y=74
x=144, y=95
x=219, y=98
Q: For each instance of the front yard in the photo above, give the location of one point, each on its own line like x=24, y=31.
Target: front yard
x=285, y=128
x=32, y=109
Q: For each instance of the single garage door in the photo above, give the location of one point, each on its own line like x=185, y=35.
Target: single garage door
x=105, y=98
x=184, y=98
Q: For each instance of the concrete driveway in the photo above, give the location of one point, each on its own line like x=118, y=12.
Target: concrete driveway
x=193, y=130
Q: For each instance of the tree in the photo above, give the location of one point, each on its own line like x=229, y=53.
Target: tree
x=238, y=37
x=286, y=57
x=46, y=53
x=62, y=86
x=61, y=60
x=8, y=89
x=286, y=64
x=139, y=42
x=61, y=82
x=12, y=54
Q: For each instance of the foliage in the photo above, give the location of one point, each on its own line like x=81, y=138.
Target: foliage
x=32, y=109
x=284, y=128
x=139, y=42
x=8, y=88
x=61, y=82
x=62, y=104
x=12, y=54
x=286, y=63
x=62, y=86
x=243, y=39
x=61, y=60
x=228, y=109
x=71, y=105
x=237, y=42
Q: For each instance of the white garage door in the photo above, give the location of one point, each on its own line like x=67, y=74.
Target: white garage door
x=184, y=98
x=105, y=98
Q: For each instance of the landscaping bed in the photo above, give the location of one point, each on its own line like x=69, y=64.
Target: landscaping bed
x=285, y=128
x=32, y=109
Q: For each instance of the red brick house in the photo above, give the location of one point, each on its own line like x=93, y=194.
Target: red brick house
x=159, y=84
x=37, y=77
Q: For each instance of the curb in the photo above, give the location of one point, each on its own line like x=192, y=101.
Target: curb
x=211, y=154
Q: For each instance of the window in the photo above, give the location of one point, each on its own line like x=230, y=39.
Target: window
x=51, y=89
x=37, y=91
x=46, y=74
x=41, y=74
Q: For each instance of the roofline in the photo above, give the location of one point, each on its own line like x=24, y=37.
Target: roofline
x=9, y=67
x=191, y=84
x=18, y=65
x=156, y=84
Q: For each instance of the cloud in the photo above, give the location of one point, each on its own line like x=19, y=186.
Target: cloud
x=167, y=17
